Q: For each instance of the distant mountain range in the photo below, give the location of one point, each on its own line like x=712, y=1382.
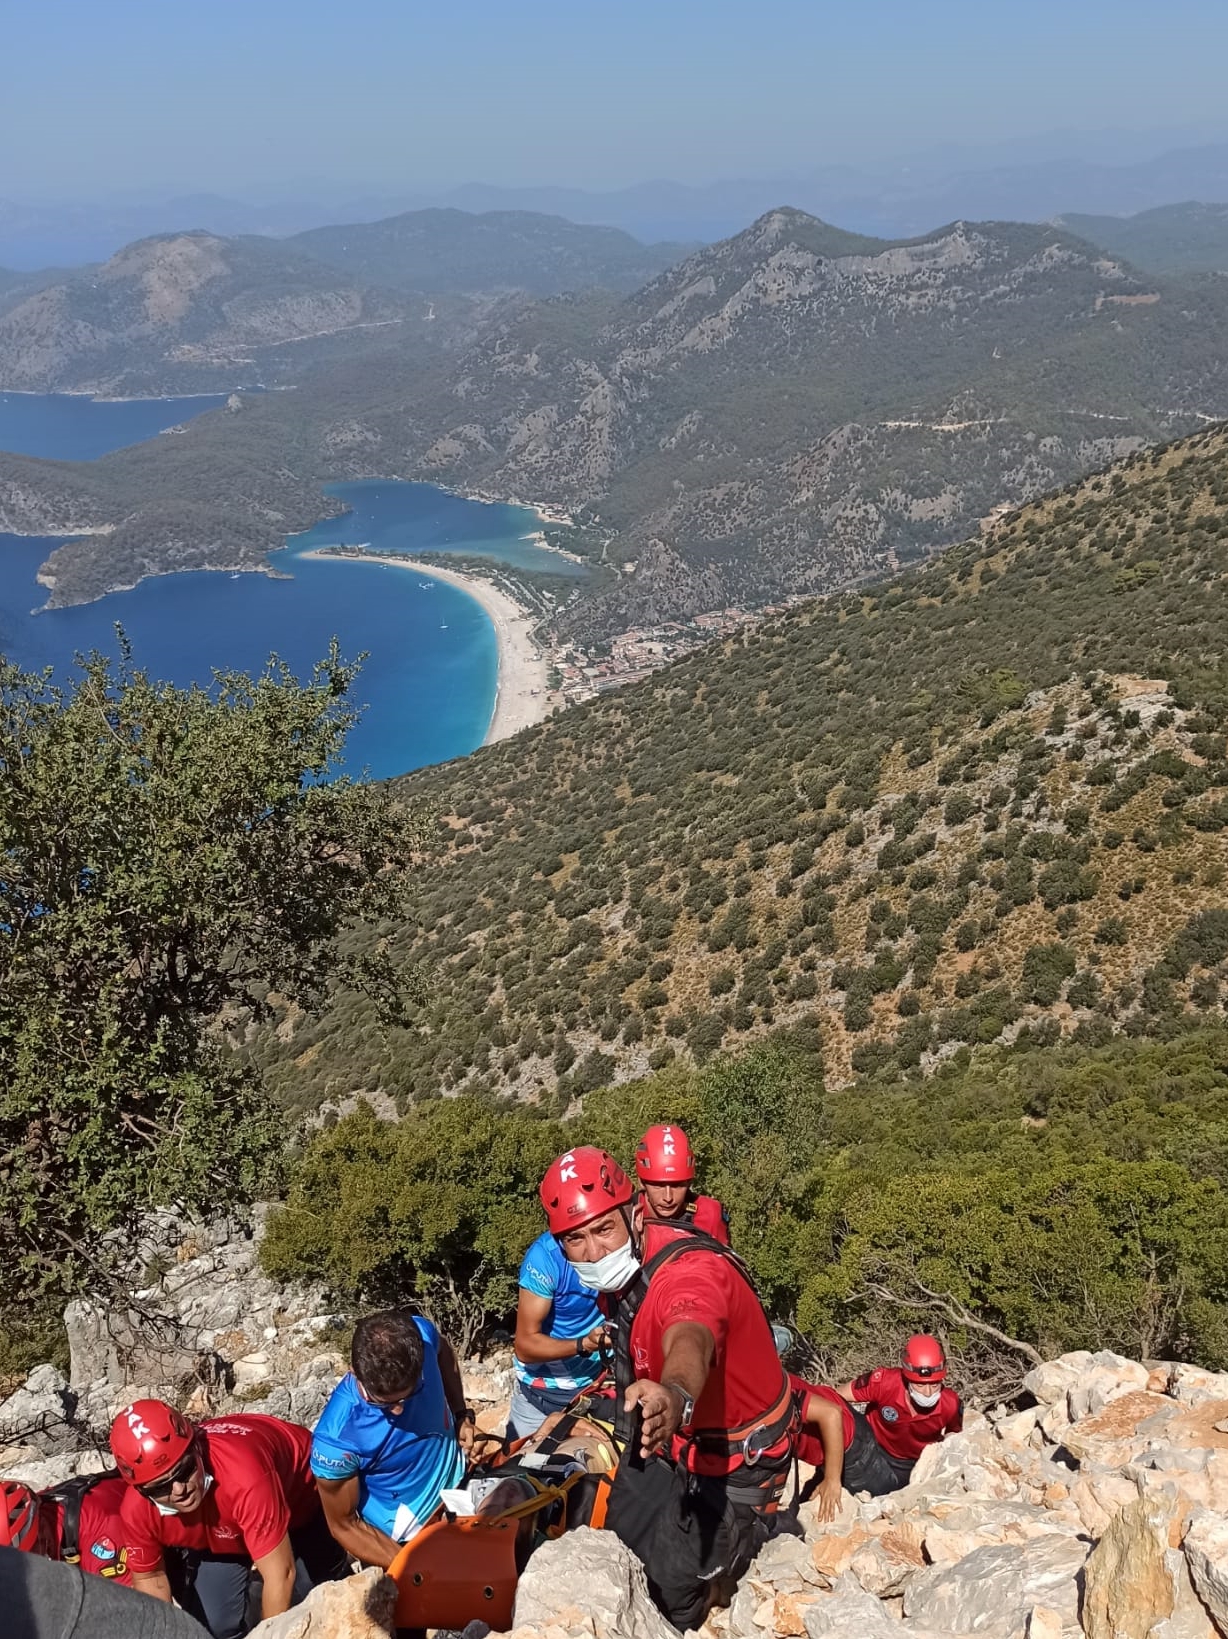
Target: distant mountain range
x=1188, y=238
x=455, y=250
x=1023, y=182
x=788, y=411
x=799, y=406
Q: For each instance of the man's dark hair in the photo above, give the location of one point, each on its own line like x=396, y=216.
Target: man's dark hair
x=386, y=1354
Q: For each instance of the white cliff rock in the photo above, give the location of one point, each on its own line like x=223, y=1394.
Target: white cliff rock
x=588, y=1581
x=1206, y=1553
x=992, y=1589
x=360, y=1607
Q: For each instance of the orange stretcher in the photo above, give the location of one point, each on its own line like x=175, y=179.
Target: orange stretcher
x=461, y=1568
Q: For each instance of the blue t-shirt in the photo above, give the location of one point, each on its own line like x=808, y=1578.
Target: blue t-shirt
x=402, y=1462
x=573, y=1312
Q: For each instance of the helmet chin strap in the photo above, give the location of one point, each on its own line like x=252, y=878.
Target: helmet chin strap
x=637, y=1241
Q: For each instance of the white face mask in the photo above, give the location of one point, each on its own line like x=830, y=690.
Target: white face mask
x=611, y=1273
x=928, y=1401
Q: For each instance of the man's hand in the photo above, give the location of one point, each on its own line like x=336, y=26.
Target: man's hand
x=476, y=1447
x=827, y=1500
x=662, y=1412
x=598, y=1338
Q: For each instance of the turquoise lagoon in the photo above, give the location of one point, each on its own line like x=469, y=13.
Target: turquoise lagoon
x=428, y=684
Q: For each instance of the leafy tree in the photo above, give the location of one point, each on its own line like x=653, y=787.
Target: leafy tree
x=434, y=1209
x=167, y=858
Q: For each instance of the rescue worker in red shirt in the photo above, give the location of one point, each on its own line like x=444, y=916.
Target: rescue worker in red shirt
x=78, y=1523
x=665, y=1167
x=906, y=1408
x=705, y=1412
x=826, y=1434
x=238, y=1494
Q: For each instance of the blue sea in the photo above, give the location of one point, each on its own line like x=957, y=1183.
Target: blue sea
x=70, y=427
x=428, y=683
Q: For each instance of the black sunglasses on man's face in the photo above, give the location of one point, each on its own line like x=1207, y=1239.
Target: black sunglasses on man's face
x=182, y=1472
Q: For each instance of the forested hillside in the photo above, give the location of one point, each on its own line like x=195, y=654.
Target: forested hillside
x=985, y=802
x=798, y=406
x=1188, y=238
x=451, y=250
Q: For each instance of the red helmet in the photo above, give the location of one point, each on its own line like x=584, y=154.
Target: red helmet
x=18, y=1515
x=664, y=1157
x=582, y=1185
x=924, y=1361
x=147, y=1439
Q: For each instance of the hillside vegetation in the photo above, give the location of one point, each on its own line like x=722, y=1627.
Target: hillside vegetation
x=797, y=406
x=986, y=802
x=1068, y=1196
x=451, y=250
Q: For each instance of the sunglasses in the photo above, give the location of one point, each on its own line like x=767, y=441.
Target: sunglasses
x=183, y=1471
x=394, y=1405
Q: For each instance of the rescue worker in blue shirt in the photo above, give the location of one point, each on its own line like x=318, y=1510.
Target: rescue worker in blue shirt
x=560, y=1333
x=395, y=1433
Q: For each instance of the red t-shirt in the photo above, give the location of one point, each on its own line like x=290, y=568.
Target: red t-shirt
x=809, y=1445
x=745, y=1380
x=262, y=1486
x=101, y=1538
x=900, y=1427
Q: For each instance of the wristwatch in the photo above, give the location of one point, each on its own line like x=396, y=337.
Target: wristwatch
x=688, y=1405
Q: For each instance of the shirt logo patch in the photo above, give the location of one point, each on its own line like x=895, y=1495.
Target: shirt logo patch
x=889, y=1414
x=104, y=1549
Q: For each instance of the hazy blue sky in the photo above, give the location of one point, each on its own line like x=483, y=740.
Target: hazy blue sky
x=380, y=93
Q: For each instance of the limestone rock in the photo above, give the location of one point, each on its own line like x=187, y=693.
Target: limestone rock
x=1050, y=1383
x=1120, y=1430
x=1193, y=1386
x=1044, y=1623
x=1206, y=1553
x=854, y=1614
x=994, y=1588
x=1102, y=1382
x=360, y=1607
x=40, y=1416
x=589, y=1578
x=1128, y=1585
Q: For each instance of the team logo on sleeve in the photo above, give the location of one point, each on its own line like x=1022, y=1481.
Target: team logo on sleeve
x=889, y=1414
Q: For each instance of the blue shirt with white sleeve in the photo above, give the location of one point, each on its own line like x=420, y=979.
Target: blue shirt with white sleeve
x=545, y=1272
x=402, y=1462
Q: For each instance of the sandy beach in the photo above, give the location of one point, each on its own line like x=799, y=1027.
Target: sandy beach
x=521, y=697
